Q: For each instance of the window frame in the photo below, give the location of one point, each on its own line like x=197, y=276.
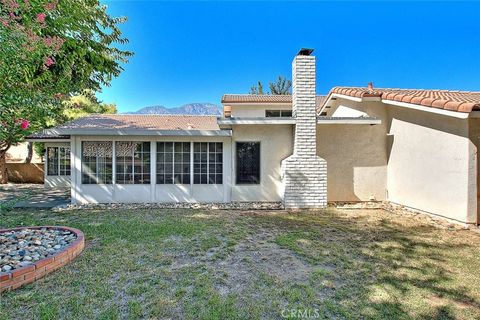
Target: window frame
x=259, y=164
x=82, y=163
x=131, y=156
x=281, y=111
x=215, y=163
x=173, y=163
x=58, y=161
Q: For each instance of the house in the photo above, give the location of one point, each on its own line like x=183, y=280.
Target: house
x=416, y=148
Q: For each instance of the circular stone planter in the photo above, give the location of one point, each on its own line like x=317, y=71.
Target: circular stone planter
x=18, y=277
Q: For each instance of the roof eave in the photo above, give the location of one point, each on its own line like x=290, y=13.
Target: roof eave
x=33, y=139
x=332, y=96
x=140, y=132
x=255, y=103
x=256, y=120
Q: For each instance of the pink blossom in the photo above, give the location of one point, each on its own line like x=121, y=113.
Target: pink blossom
x=50, y=6
x=32, y=37
x=24, y=124
x=53, y=42
x=11, y=4
x=48, y=41
x=41, y=17
x=49, y=62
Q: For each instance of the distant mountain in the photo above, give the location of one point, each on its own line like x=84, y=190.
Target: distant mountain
x=191, y=108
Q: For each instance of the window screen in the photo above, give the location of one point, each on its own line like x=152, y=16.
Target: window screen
x=132, y=162
x=208, y=163
x=97, y=162
x=52, y=161
x=248, y=162
x=58, y=161
x=173, y=162
x=64, y=159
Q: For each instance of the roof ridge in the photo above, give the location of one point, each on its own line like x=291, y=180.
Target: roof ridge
x=268, y=95
x=257, y=95
x=410, y=89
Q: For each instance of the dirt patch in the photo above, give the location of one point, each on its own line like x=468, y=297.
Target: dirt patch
x=258, y=258
x=441, y=302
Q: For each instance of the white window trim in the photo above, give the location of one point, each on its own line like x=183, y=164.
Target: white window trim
x=47, y=162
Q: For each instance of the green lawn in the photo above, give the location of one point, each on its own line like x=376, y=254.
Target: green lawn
x=174, y=264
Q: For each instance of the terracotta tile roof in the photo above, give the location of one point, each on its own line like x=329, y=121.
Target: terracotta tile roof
x=143, y=122
x=461, y=101
x=263, y=98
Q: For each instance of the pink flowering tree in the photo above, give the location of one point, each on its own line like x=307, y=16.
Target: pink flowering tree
x=51, y=50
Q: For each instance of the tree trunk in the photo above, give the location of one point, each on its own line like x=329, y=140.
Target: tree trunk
x=3, y=168
x=28, y=159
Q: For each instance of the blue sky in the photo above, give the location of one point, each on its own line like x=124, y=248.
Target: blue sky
x=196, y=51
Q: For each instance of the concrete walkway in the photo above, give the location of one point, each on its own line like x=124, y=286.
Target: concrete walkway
x=32, y=196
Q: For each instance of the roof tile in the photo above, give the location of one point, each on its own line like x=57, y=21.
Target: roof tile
x=143, y=122
x=461, y=101
x=262, y=98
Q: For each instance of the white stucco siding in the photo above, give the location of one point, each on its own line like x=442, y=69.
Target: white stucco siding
x=55, y=181
x=431, y=164
x=276, y=144
x=153, y=192
x=249, y=111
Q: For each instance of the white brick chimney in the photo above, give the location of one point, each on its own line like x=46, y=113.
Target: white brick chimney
x=304, y=173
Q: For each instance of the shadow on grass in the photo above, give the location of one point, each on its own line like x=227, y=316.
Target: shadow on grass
x=410, y=264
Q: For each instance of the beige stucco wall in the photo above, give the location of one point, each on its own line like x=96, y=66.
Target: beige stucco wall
x=256, y=110
x=276, y=144
x=19, y=153
x=356, y=155
x=432, y=163
x=418, y=159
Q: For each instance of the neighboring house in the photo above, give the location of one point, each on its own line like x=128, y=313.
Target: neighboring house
x=18, y=154
x=417, y=148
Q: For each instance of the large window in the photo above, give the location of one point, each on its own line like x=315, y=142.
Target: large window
x=278, y=113
x=132, y=161
x=58, y=161
x=248, y=163
x=173, y=162
x=97, y=162
x=207, y=163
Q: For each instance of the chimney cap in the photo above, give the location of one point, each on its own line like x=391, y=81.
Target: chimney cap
x=305, y=52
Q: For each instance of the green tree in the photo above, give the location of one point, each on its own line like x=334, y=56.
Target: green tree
x=83, y=104
x=282, y=86
x=73, y=108
x=49, y=51
x=258, y=89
